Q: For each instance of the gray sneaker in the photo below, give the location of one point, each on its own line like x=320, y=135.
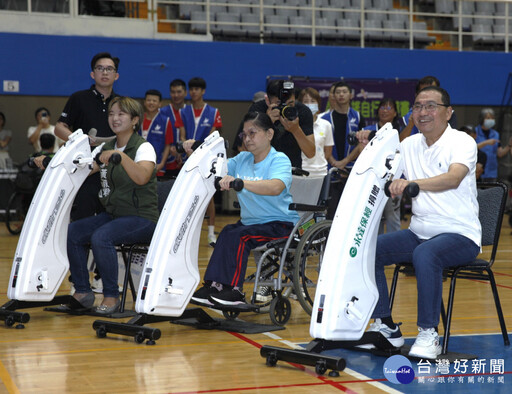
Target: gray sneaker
x=394, y=336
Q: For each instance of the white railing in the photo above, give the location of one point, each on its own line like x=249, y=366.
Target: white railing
x=178, y=17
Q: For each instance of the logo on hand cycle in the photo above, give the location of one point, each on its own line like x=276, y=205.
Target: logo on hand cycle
x=363, y=222
x=398, y=370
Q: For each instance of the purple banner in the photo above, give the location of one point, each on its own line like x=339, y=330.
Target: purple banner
x=367, y=94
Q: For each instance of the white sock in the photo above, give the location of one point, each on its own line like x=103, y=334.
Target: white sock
x=211, y=230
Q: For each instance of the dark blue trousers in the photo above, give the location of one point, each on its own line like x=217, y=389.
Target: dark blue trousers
x=229, y=258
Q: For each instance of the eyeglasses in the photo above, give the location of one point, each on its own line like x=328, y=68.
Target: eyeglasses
x=388, y=108
x=429, y=107
x=249, y=134
x=108, y=70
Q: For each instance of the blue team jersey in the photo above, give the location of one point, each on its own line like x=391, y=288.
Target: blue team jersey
x=256, y=208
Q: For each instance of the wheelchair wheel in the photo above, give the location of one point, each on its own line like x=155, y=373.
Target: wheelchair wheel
x=280, y=311
x=16, y=212
x=308, y=261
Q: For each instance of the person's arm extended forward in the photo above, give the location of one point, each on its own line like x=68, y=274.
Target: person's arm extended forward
x=439, y=183
x=139, y=172
x=62, y=131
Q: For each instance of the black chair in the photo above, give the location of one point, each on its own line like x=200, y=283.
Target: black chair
x=492, y=198
x=128, y=251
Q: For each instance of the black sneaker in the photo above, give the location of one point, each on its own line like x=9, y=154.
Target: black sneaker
x=228, y=297
x=200, y=297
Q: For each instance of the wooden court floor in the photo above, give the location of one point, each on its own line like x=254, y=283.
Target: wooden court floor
x=58, y=353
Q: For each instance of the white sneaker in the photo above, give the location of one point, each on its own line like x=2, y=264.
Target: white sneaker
x=212, y=240
x=394, y=336
x=426, y=344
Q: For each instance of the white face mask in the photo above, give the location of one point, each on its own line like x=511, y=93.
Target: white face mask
x=313, y=107
x=489, y=123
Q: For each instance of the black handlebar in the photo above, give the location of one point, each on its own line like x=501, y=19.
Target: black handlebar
x=115, y=159
x=237, y=184
x=411, y=190
x=46, y=162
x=352, y=139
x=299, y=171
x=180, y=149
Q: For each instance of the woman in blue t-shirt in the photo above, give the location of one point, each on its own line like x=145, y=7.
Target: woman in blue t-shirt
x=264, y=213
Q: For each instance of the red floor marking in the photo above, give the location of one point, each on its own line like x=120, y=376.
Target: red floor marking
x=325, y=380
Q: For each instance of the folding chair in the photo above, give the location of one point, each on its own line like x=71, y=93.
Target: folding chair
x=492, y=198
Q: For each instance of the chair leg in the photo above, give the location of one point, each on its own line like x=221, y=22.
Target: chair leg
x=443, y=315
x=498, y=307
x=449, y=311
x=127, y=278
x=392, y=291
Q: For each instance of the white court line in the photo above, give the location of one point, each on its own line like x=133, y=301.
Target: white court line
x=348, y=371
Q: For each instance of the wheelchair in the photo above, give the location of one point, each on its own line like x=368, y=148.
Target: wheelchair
x=276, y=260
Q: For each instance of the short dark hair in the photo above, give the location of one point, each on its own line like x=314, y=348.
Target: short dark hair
x=178, y=82
x=468, y=129
x=47, y=141
x=2, y=116
x=197, y=82
x=342, y=84
x=130, y=106
x=260, y=119
x=41, y=109
x=104, y=55
x=275, y=85
x=153, y=92
x=429, y=80
x=445, y=97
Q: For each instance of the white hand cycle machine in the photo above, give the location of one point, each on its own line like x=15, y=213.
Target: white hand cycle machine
x=346, y=293
x=40, y=261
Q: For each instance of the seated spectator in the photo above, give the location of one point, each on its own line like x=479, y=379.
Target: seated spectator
x=5, y=138
x=264, y=212
x=42, y=116
x=128, y=193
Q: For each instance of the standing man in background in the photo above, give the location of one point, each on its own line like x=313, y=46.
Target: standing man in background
x=86, y=110
x=200, y=120
x=156, y=129
x=178, y=92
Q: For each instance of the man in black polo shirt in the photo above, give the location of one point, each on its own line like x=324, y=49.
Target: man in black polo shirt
x=87, y=109
x=290, y=137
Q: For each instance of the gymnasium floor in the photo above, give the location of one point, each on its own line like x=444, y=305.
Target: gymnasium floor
x=61, y=353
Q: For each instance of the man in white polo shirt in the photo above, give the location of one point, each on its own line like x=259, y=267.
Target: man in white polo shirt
x=444, y=229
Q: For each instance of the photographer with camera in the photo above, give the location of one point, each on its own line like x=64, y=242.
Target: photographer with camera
x=292, y=120
x=34, y=133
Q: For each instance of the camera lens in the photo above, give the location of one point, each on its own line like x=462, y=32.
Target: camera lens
x=290, y=113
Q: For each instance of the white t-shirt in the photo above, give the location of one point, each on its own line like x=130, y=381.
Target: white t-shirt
x=49, y=130
x=146, y=152
x=317, y=165
x=450, y=211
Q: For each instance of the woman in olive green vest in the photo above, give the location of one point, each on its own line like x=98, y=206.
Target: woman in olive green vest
x=128, y=193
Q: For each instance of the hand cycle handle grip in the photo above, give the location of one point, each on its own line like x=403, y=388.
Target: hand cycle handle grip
x=411, y=190
x=115, y=159
x=180, y=149
x=46, y=162
x=237, y=184
x=352, y=139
